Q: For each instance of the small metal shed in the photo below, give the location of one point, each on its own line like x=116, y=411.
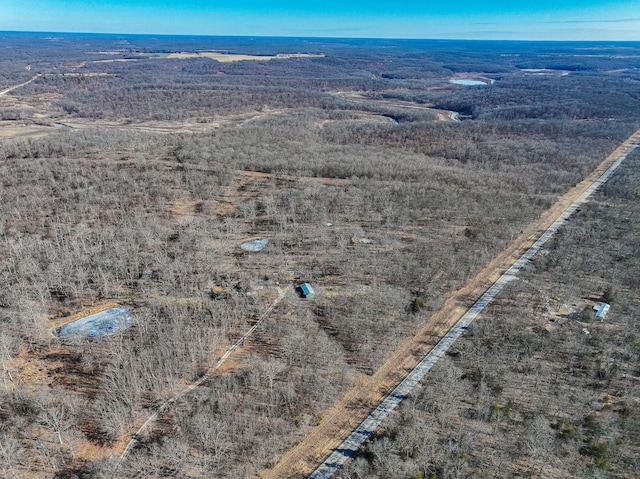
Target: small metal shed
x=601, y=311
x=307, y=291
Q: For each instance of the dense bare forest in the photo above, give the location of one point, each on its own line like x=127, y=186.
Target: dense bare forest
x=537, y=388
x=130, y=177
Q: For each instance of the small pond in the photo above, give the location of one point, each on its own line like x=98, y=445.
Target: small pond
x=104, y=323
x=468, y=82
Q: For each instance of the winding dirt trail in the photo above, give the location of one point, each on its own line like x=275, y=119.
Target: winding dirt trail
x=351, y=409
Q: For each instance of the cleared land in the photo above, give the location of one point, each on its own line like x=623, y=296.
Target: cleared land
x=14, y=87
x=234, y=57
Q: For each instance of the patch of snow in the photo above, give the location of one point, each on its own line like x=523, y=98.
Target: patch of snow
x=255, y=245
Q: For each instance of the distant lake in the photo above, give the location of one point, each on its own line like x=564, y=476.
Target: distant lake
x=468, y=82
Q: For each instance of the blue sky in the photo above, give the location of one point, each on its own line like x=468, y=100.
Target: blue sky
x=469, y=19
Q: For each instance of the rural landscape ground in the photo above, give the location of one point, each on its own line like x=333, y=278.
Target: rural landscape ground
x=396, y=177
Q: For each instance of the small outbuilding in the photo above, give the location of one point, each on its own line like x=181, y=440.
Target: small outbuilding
x=307, y=291
x=601, y=311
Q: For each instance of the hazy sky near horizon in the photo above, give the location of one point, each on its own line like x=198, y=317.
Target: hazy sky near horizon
x=461, y=19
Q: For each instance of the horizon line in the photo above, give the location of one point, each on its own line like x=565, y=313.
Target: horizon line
x=203, y=35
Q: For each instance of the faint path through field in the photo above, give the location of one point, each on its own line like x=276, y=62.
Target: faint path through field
x=167, y=404
x=361, y=98
x=11, y=88
x=350, y=416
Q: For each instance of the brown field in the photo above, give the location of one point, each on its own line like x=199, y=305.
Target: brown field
x=234, y=57
x=23, y=131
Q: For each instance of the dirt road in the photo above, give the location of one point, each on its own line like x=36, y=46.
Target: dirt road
x=350, y=445
x=361, y=98
x=11, y=88
x=170, y=402
x=352, y=409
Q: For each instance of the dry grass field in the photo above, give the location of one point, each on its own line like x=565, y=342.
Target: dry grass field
x=233, y=57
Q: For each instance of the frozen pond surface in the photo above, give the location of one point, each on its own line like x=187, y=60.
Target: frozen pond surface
x=468, y=82
x=104, y=323
x=545, y=71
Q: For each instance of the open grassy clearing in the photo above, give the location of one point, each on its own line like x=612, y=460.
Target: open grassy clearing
x=235, y=57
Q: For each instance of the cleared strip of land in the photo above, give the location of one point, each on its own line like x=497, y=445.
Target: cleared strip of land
x=11, y=88
x=355, y=406
x=170, y=402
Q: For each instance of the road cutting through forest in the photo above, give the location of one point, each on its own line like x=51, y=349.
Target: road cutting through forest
x=11, y=88
x=349, y=422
